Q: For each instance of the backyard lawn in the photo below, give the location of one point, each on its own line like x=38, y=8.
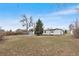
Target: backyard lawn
x=39, y=46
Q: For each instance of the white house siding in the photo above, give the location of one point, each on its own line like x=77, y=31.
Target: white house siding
x=53, y=32
x=31, y=33
x=46, y=32
x=50, y=32
x=57, y=32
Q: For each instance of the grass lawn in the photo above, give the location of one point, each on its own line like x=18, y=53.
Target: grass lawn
x=39, y=45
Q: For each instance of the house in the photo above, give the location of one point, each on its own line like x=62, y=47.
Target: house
x=53, y=32
x=49, y=32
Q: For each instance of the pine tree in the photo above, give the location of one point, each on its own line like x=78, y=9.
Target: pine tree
x=65, y=31
x=39, y=27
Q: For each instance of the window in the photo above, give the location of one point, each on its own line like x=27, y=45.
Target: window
x=51, y=31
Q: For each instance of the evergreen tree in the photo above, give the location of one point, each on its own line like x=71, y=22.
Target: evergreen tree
x=39, y=27
x=65, y=31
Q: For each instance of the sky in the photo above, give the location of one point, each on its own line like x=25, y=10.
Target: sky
x=53, y=15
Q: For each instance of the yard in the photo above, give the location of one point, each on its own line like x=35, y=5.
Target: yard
x=39, y=46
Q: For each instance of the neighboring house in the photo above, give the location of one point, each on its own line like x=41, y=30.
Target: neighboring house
x=49, y=32
x=53, y=32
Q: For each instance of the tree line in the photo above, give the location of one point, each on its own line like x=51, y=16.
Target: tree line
x=38, y=28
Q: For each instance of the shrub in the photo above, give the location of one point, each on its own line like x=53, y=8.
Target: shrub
x=17, y=32
x=76, y=33
x=9, y=33
x=76, y=29
x=65, y=31
x=1, y=36
x=20, y=31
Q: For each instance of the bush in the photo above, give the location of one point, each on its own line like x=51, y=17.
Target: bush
x=65, y=31
x=76, y=29
x=76, y=33
x=1, y=36
x=9, y=33
x=15, y=33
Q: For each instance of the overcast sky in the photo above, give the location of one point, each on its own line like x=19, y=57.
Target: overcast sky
x=52, y=15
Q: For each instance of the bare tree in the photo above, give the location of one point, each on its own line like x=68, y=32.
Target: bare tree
x=26, y=22
x=74, y=28
x=71, y=26
x=31, y=22
x=2, y=33
x=76, y=24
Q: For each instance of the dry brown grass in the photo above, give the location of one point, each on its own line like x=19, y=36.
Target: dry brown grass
x=39, y=45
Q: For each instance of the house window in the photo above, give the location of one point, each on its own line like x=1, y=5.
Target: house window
x=51, y=31
x=44, y=31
